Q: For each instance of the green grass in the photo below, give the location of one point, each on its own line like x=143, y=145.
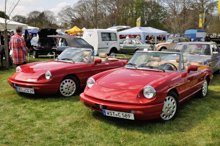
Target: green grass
x=53, y=120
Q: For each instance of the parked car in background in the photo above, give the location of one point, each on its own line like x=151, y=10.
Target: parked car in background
x=150, y=86
x=102, y=40
x=188, y=36
x=170, y=43
x=132, y=45
x=67, y=41
x=65, y=75
x=201, y=53
x=44, y=44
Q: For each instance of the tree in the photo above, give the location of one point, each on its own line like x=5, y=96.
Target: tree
x=20, y=18
x=67, y=16
x=45, y=19
x=33, y=18
x=2, y=15
x=203, y=6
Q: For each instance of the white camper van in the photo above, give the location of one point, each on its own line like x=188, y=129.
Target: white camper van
x=103, y=40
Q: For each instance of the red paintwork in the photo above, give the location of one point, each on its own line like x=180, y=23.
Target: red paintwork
x=121, y=89
x=33, y=74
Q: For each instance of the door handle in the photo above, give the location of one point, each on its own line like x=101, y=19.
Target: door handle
x=106, y=63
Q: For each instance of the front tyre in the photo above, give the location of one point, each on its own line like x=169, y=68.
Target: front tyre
x=170, y=107
x=69, y=86
x=204, y=89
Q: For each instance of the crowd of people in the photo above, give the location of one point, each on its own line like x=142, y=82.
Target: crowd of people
x=17, y=46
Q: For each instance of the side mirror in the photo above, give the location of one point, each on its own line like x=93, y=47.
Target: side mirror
x=125, y=62
x=192, y=68
x=97, y=61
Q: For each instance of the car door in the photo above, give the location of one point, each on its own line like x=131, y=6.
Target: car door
x=173, y=43
x=103, y=66
x=190, y=82
x=214, y=62
x=126, y=46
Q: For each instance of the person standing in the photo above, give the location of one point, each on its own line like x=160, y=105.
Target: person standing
x=18, y=47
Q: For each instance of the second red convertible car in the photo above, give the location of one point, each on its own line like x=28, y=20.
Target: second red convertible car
x=150, y=86
x=65, y=75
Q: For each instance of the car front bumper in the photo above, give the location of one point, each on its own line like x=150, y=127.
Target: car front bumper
x=39, y=88
x=141, y=112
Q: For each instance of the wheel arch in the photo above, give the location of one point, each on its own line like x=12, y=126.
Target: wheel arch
x=136, y=49
x=163, y=48
x=175, y=91
x=113, y=48
x=72, y=75
x=208, y=79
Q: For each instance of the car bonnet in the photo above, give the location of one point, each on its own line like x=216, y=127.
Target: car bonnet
x=130, y=79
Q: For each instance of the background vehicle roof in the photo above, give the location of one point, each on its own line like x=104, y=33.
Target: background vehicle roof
x=72, y=41
x=196, y=43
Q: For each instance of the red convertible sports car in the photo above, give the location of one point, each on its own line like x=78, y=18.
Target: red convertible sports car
x=150, y=86
x=65, y=75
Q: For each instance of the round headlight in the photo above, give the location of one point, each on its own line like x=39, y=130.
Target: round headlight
x=90, y=82
x=18, y=68
x=48, y=75
x=149, y=92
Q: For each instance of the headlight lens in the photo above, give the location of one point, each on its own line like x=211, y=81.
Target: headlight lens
x=90, y=82
x=149, y=92
x=18, y=68
x=48, y=75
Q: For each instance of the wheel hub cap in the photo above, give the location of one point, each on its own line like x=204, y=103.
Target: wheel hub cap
x=204, y=88
x=67, y=87
x=169, y=108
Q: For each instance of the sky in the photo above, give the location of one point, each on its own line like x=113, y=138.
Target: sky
x=26, y=6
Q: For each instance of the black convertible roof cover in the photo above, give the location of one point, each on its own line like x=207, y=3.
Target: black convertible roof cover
x=44, y=40
x=73, y=41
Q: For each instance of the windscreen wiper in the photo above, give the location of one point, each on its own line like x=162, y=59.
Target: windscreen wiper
x=133, y=64
x=67, y=59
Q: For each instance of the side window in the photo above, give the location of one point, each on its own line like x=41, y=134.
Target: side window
x=137, y=42
x=181, y=40
x=134, y=42
x=175, y=41
x=113, y=37
x=105, y=36
x=215, y=48
x=207, y=50
x=109, y=36
x=127, y=41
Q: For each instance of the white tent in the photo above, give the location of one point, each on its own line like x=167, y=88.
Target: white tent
x=11, y=24
x=32, y=28
x=143, y=31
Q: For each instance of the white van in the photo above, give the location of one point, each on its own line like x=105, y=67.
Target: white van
x=103, y=40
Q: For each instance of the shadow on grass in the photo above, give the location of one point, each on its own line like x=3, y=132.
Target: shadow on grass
x=51, y=97
x=186, y=119
x=191, y=114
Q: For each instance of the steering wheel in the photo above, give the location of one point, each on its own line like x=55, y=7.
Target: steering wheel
x=170, y=64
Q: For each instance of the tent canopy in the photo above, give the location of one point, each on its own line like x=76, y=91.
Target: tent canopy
x=143, y=31
x=74, y=30
x=32, y=28
x=32, y=31
x=11, y=24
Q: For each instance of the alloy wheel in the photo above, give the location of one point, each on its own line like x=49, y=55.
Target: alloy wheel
x=169, y=108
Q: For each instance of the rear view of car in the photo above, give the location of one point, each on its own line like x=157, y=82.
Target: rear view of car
x=45, y=44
